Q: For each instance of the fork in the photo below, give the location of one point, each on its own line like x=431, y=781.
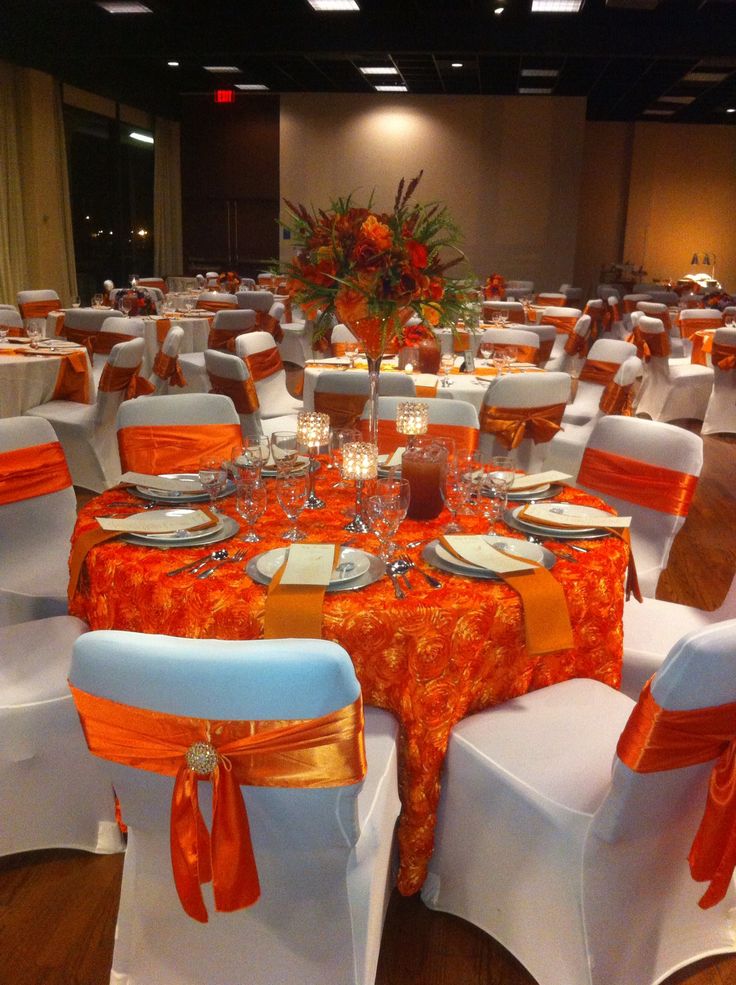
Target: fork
x=239, y=555
x=407, y=563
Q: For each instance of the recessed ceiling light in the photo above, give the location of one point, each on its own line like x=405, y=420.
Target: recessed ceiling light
x=333, y=5
x=222, y=69
x=499, y=10
x=540, y=73
x=173, y=64
x=528, y=91
x=391, y=89
x=124, y=7
x=705, y=76
x=556, y=6
x=379, y=70
x=731, y=109
x=251, y=86
x=685, y=100
x=145, y=138
x=658, y=112
x=457, y=64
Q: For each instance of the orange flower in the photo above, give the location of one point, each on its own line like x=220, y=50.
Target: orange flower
x=430, y=314
x=417, y=253
x=377, y=233
x=350, y=305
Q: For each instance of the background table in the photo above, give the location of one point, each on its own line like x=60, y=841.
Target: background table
x=26, y=381
x=431, y=659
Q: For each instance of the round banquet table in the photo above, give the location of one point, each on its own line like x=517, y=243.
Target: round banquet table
x=431, y=659
x=31, y=379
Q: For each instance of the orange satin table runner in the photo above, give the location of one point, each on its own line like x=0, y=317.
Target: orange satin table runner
x=656, y=739
x=389, y=439
x=168, y=368
x=546, y=618
x=510, y=425
x=241, y=392
x=32, y=471
x=723, y=356
x=294, y=611
x=651, y=486
x=343, y=409
x=115, y=378
x=264, y=363
x=598, y=371
x=158, y=449
x=72, y=383
x=303, y=753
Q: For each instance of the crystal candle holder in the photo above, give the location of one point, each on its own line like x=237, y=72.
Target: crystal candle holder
x=412, y=418
x=312, y=432
x=359, y=463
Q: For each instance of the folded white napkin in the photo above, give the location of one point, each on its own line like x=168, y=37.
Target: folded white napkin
x=309, y=564
x=476, y=550
x=583, y=517
x=155, y=522
x=531, y=481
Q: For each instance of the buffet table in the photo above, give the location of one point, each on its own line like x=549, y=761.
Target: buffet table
x=431, y=658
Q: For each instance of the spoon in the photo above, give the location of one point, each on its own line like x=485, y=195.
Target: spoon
x=194, y=566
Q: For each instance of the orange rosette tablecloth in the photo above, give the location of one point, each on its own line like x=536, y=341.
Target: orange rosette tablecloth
x=431, y=659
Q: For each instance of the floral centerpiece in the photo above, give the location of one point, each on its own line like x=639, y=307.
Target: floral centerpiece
x=228, y=282
x=494, y=288
x=142, y=302
x=719, y=300
x=373, y=270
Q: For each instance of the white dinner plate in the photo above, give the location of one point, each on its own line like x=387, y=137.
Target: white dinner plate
x=438, y=557
x=270, y=562
x=511, y=545
x=180, y=536
x=197, y=495
x=568, y=510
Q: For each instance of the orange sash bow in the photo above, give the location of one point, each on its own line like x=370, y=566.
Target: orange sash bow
x=510, y=425
x=343, y=409
x=544, y=351
x=82, y=336
x=576, y=345
x=651, y=486
x=650, y=344
x=690, y=325
x=267, y=323
x=598, y=371
x=264, y=363
x=656, y=739
x=600, y=317
x=37, y=309
x=617, y=399
x=564, y=325
x=157, y=449
x=35, y=471
x=162, y=329
x=168, y=368
x=125, y=378
x=241, y=392
x=389, y=439
x=305, y=753
x=723, y=356
x=702, y=346
x=222, y=339
x=72, y=383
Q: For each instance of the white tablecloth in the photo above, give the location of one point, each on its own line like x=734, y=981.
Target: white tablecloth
x=26, y=381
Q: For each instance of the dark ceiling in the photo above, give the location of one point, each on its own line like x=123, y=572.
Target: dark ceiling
x=629, y=58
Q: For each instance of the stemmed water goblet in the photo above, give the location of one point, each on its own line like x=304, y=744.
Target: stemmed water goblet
x=339, y=437
x=447, y=362
x=251, y=503
x=456, y=494
x=491, y=499
x=291, y=492
x=285, y=451
x=34, y=335
x=213, y=476
x=386, y=509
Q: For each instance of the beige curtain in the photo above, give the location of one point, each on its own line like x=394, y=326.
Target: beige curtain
x=57, y=139
x=168, y=253
x=13, y=266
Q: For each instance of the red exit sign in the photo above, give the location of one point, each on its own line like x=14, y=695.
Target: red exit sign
x=224, y=96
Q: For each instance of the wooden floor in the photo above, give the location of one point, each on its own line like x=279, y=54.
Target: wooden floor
x=57, y=908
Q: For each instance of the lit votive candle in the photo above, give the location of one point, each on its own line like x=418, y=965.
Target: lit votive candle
x=359, y=460
x=412, y=418
x=312, y=429
x=409, y=368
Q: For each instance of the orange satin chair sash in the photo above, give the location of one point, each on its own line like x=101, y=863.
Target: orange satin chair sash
x=723, y=356
x=207, y=305
x=521, y=353
x=544, y=351
x=343, y=409
x=600, y=317
x=549, y=301
x=156, y=449
x=657, y=739
x=59, y=319
x=221, y=339
x=389, y=439
x=302, y=753
x=598, y=371
x=35, y=471
x=37, y=309
x=241, y=392
x=103, y=342
x=651, y=486
x=510, y=425
x=629, y=306
x=690, y=325
x=267, y=323
x=655, y=344
x=617, y=399
x=14, y=330
x=702, y=343
x=564, y=324
x=82, y=336
x=576, y=345
x=264, y=363
x=115, y=378
x=162, y=329
x=72, y=383
x=168, y=368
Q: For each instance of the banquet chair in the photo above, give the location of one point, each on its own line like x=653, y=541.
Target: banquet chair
x=630, y=301
x=607, y=291
x=578, y=867
x=679, y=347
x=565, y=451
x=202, y=281
x=35, y=305
x=601, y=365
x=652, y=629
x=212, y=278
x=547, y=335
x=669, y=298
x=720, y=414
x=573, y=295
x=340, y=337
x=453, y=419
x=255, y=300
x=513, y=310
x=228, y=375
x=111, y=331
x=342, y=396
x=649, y=471
x=520, y=413
x=551, y=299
x=323, y=853
x=158, y=282
x=174, y=433
x=260, y=352
x=85, y=325
x=564, y=319
x=11, y=320
x=216, y=301
x=521, y=345
x=569, y=350
x=86, y=433
x=38, y=510
x=695, y=319
x=518, y=289
x=166, y=372
x=53, y=794
x=228, y=324
x=669, y=392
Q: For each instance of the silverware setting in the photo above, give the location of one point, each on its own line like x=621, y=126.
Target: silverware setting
x=201, y=562
x=239, y=555
x=561, y=550
x=393, y=575
x=404, y=563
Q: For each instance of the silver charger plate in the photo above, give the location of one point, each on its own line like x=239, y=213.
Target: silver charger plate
x=532, y=496
x=552, y=533
x=431, y=557
x=164, y=496
x=376, y=570
x=229, y=528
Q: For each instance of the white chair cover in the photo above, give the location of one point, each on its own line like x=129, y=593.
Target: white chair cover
x=323, y=855
x=670, y=392
x=87, y=434
x=679, y=347
x=273, y=395
x=514, y=310
x=235, y=322
x=24, y=297
x=171, y=347
x=255, y=300
x=720, y=414
x=220, y=299
x=503, y=337
x=234, y=368
x=560, y=360
x=588, y=395
x=580, y=873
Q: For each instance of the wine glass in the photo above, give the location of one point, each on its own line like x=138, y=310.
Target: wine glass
x=34, y=335
x=213, y=476
x=285, y=448
x=456, y=493
x=492, y=499
x=251, y=503
x=447, y=362
x=76, y=301
x=486, y=351
x=251, y=455
x=96, y=300
x=291, y=492
x=503, y=471
x=386, y=509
